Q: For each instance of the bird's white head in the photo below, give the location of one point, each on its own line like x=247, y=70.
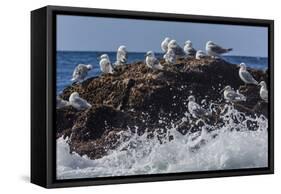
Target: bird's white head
x=104, y=56
x=262, y=84
x=191, y=98
x=167, y=39
x=200, y=52
x=122, y=48
x=210, y=43
x=188, y=43
x=89, y=66
x=242, y=65
x=172, y=44
x=150, y=54
x=226, y=88
x=73, y=96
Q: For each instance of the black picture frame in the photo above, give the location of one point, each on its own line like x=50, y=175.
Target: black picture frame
x=43, y=80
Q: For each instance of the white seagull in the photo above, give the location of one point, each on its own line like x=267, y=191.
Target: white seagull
x=170, y=57
x=232, y=96
x=195, y=109
x=200, y=55
x=245, y=76
x=263, y=91
x=164, y=44
x=105, y=64
x=61, y=103
x=80, y=72
x=215, y=50
x=151, y=61
x=188, y=49
x=77, y=102
x=176, y=48
x=121, y=56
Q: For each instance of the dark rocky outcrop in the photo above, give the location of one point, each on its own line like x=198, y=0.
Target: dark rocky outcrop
x=138, y=96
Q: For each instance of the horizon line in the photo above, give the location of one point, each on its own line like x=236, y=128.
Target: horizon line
x=147, y=51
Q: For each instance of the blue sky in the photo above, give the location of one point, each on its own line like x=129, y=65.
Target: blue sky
x=81, y=33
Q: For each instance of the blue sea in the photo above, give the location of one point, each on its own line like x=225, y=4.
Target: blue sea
x=67, y=60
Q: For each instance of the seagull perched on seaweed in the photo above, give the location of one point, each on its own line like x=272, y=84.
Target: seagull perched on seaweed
x=121, y=56
x=176, y=48
x=215, y=50
x=105, y=64
x=232, y=96
x=263, y=91
x=196, y=110
x=200, y=55
x=170, y=57
x=80, y=72
x=164, y=44
x=152, y=62
x=77, y=102
x=245, y=76
x=188, y=49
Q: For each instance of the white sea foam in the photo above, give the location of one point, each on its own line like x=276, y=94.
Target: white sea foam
x=231, y=146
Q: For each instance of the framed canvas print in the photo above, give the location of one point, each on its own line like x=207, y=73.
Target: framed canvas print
x=125, y=96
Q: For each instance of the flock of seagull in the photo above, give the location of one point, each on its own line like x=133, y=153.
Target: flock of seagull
x=171, y=52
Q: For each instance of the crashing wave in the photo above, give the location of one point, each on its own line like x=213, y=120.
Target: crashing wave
x=210, y=147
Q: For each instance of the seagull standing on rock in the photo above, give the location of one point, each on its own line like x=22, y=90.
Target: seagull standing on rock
x=80, y=72
x=152, y=62
x=232, y=96
x=196, y=110
x=105, y=64
x=77, y=102
x=176, y=48
x=164, y=44
x=245, y=76
x=215, y=50
x=200, y=55
x=263, y=91
x=188, y=49
x=121, y=56
x=170, y=57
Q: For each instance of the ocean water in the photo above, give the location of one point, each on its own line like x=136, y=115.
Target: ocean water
x=231, y=146
x=67, y=61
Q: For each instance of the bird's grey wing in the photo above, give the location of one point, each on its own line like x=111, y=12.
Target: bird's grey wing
x=247, y=76
x=76, y=73
x=155, y=61
x=83, y=103
x=179, y=51
x=218, y=49
x=191, y=51
x=198, y=110
x=234, y=96
x=82, y=71
x=201, y=112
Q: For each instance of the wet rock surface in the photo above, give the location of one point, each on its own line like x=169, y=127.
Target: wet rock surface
x=141, y=99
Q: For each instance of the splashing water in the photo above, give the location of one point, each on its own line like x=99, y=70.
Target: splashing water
x=231, y=146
